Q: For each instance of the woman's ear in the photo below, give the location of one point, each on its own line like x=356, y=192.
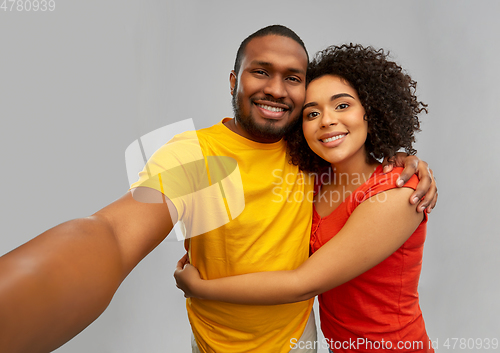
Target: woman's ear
x=365, y=118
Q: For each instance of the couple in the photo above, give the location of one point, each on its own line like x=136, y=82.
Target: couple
x=358, y=106
x=367, y=239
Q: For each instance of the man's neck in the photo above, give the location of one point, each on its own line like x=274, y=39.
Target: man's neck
x=238, y=129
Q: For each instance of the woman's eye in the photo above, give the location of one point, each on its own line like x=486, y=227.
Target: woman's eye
x=342, y=106
x=312, y=115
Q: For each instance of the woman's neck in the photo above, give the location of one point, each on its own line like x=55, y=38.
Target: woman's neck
x=344, y=180
x=352, y=174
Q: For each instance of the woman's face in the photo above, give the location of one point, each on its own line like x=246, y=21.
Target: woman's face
x=333, y=121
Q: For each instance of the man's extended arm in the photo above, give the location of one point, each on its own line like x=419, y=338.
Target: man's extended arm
x=55, y=285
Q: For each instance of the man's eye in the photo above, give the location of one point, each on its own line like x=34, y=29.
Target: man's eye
x=294, y=79
x=260, y=72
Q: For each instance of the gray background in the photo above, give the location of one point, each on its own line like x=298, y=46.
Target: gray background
x=79, y=84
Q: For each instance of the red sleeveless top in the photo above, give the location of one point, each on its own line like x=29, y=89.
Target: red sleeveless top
x=379, y=310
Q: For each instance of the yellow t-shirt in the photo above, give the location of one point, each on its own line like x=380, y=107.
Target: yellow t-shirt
x=255, y=210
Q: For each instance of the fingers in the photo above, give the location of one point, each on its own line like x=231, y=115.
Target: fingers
x=433, y=203
x=388, y=164
x=184, y=277
x=434, y=200
x=179, y=266
x=411, y=166
x=425, y=195
x=400, y=158
x=182, y=262
x=426, y=192
x=430, y=198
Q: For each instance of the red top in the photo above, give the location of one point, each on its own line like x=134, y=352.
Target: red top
x=378, y=311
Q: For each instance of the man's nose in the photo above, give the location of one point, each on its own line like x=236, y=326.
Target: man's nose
x=276, y=87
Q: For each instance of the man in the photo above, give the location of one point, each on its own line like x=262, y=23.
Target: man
x=55, y=285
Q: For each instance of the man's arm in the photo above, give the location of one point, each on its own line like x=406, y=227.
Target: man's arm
x=55, y=285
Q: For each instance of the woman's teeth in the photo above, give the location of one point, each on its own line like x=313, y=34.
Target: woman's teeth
x=333, y=138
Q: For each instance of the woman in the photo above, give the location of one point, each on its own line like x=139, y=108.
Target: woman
x=367, y=239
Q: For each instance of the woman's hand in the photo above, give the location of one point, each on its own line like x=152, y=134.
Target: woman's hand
x=426, y=193
x=186, y=276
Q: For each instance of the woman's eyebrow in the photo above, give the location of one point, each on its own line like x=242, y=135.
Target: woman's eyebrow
x=310, y=104
x=340, y=95
x=332, y=98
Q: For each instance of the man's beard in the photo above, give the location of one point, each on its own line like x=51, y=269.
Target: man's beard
x=268, y=131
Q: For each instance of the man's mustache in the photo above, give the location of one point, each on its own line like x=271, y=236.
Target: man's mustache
x=271, y=99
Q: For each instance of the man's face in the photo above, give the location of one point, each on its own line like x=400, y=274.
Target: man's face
x=269, y=91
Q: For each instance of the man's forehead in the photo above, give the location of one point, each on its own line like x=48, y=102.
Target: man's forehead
x=273, y=50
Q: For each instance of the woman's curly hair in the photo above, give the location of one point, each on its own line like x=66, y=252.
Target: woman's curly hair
x=386, y=92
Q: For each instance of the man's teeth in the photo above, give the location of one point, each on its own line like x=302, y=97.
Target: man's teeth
x=333, y=138
x=271, y=109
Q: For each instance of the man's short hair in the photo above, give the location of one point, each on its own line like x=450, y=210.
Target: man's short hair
x=277, y=30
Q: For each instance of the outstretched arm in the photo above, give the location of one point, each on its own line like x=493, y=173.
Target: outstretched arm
x=376, y=229
x=55, y=285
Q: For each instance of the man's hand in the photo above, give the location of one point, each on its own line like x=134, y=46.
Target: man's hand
x=426, y=193
x=186, y=276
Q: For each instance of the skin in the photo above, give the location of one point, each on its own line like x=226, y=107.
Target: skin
x=354, y=250
x=272, y=75
x=340, y=115
x=374, y=231
x=42, y=306
x=333, y=109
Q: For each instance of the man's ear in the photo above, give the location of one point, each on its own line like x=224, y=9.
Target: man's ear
x=232, y=80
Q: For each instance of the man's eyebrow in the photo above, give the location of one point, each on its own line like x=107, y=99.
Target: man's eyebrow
x=261, y=63
x=332, y=98
x=270, y=65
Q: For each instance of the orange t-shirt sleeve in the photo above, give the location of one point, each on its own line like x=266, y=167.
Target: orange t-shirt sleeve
x=380, y=183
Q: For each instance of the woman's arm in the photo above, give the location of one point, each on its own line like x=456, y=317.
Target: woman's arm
x=376, y=229
x=426, y=193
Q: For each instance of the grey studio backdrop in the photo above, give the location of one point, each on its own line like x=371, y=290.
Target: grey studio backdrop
x=80, y=83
